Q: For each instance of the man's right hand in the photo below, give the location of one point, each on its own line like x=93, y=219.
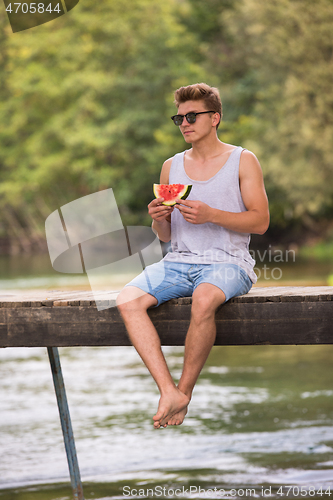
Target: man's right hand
x=157, y=211
x=161, y=219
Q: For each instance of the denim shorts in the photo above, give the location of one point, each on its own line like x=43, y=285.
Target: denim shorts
x=169, y=280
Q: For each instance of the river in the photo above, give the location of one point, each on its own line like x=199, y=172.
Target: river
x=260, y=423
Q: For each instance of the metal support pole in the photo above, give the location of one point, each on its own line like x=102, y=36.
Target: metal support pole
x=66, y=424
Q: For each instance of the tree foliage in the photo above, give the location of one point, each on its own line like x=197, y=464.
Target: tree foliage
x=287, y=47
x=86, y=100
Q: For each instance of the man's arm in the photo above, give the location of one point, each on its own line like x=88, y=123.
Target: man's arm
x=161, y=214
x=255, y=220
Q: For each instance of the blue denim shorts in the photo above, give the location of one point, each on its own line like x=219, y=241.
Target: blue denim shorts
x=169, y=280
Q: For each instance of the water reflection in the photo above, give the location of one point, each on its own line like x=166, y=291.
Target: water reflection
x=35, y=271
x=259, y=415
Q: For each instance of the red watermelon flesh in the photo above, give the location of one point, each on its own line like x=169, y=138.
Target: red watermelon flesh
x=171, y=192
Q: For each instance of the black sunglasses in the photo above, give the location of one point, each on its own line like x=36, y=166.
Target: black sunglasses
x=190, y=117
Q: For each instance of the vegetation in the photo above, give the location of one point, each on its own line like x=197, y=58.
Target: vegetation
x=85, y=102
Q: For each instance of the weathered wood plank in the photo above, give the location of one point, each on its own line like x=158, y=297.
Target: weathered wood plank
x=257, y=294
x=260, y=317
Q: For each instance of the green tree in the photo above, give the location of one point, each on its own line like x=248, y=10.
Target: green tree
x=86, y=100
x=288, y=47
x=274, y=65
x=88, y=96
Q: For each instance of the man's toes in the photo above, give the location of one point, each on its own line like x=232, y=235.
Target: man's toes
x=164, y=421
x=159, y=415
x=158, y=425
x=173, y=421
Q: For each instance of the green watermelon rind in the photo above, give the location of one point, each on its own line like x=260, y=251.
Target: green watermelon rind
x=182, y=195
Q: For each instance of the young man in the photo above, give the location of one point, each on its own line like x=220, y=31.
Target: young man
x=210, y=234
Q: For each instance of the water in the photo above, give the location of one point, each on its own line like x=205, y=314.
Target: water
x=261, y=417
x=278, y=268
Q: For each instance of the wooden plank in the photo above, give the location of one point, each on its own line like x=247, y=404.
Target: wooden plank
x=257, y=294
x=238, y=323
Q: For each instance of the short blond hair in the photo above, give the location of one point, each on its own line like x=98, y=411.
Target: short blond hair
x=200, y=92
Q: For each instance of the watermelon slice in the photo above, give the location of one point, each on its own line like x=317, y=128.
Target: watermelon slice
x=170, y=192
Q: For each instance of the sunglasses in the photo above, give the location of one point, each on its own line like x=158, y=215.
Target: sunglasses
x=190, y=117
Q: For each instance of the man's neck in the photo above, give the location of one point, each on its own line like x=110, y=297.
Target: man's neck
x=207, y=149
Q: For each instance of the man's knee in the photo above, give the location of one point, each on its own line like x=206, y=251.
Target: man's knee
x=204, y=304
x=132, y=300
x=202, y=309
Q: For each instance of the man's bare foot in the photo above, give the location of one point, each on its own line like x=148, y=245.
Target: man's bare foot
x=170, y=404
x=178, y=418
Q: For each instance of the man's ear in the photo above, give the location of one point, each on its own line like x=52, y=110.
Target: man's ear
x=216, y=119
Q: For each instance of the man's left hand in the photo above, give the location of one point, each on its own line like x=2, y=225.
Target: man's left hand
x=195, y=212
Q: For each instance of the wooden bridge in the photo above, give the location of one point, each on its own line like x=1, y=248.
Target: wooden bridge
x=269, y=315
x=52, y=319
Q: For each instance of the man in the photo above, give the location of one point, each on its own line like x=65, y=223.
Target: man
x=210, y=234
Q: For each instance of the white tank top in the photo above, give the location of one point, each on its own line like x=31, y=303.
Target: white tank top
x=208, y=243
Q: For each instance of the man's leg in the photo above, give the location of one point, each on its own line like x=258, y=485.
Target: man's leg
x=199, y=340
x=145, y=339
